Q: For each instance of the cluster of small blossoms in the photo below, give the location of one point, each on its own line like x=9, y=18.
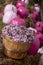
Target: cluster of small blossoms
x=19, y=33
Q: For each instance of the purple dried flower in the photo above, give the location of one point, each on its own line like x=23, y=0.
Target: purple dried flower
x=19, y=33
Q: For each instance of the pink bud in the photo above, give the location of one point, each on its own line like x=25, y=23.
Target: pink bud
x=23, y=12
x=18, y=21
x=34, y=47
x=20, y=3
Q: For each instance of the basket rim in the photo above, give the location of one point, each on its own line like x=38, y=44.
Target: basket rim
x=9, y=39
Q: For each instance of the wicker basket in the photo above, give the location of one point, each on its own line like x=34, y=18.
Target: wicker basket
x=16, y=50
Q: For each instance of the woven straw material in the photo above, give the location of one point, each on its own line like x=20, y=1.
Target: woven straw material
x=14, y=55
x=17, y=48
x=28, y=60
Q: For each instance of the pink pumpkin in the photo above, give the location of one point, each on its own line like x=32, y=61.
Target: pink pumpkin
x=38, y=26
x=40, y=37
x=20, y=3
x=34, y=47
x=34, y=15
x=23, y=12
x=18, y=21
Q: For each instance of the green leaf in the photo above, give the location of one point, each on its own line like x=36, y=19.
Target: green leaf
x=1, y=1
